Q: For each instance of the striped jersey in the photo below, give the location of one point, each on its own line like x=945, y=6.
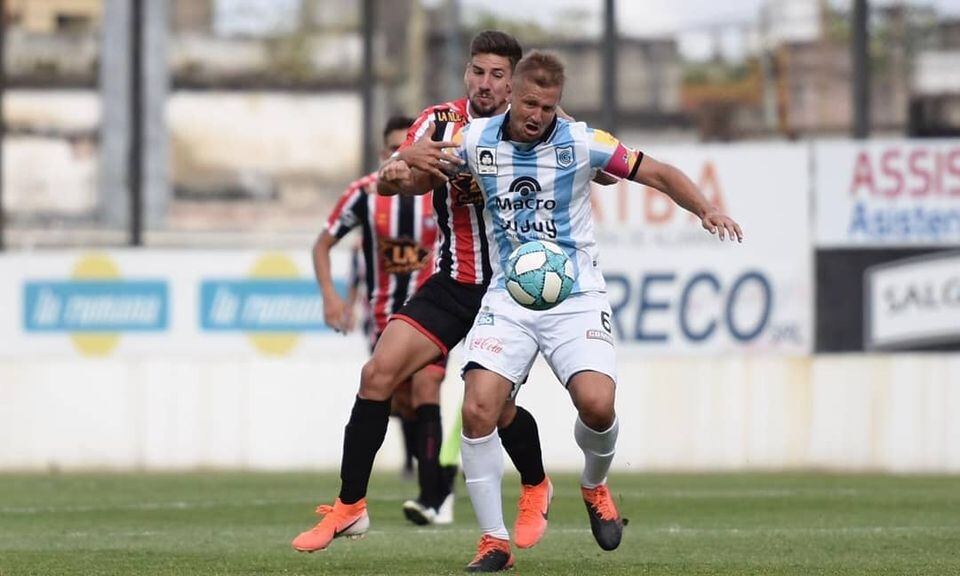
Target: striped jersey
x=399, y=233
x=462, y=251
x=541, y=190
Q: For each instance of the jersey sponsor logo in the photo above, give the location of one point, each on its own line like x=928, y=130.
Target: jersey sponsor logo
x=466, y=191
x=486, y=160
x=530, y=227
x=565, y=156
x=525, y=185
x=448, y=116
x=599, y=335
x=507, y=204
x=485, y=318
x=401, y=255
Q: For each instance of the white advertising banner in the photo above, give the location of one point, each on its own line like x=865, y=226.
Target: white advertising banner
x=887, y=193
x=155, y=302
x=913, y=302
x=674, y=288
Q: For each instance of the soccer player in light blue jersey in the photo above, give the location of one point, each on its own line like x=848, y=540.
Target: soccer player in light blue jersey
x=533, y=170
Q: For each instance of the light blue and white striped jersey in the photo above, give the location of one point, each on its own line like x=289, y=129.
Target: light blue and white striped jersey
x=541, y=190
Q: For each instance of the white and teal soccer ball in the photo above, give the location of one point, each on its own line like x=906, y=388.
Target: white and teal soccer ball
x=539, y=275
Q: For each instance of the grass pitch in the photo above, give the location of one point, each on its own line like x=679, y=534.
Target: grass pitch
x=242, y=523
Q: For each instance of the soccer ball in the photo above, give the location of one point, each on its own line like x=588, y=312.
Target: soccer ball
x=539, y=275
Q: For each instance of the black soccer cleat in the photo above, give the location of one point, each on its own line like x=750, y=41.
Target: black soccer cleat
x=605, y=521
x=493, y=555
x=419, y=513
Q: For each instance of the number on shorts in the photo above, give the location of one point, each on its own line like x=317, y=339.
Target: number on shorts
x=605, y=321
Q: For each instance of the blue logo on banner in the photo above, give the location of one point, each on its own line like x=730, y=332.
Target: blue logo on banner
x=109, y=306
x=261, y=305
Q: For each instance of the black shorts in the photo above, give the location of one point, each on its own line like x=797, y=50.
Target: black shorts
x=443, y=310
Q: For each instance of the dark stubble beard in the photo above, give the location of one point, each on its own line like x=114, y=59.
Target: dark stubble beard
x=483, y=112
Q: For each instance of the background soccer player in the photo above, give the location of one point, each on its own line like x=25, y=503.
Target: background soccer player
x=399, y=234
x=440, y=313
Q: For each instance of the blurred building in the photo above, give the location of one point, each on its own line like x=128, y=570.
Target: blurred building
x=798, y=83
x=935, y=101
x=52, y=42
x=815, y=80
x=54, y=16
x=648, y=86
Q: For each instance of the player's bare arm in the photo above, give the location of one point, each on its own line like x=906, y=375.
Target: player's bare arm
x=336, y=312
x=675, y=184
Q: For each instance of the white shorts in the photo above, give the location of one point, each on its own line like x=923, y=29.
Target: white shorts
x=573, y=337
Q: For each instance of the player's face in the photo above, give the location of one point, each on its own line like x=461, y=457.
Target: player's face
x=532, y=109
x=488, y=84
x=392, y=142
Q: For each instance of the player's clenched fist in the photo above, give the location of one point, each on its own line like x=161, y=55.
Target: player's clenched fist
x=397, y=173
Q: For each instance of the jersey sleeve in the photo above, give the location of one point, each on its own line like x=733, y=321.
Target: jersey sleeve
x=610, y=155
x=348, y=212
x=419, y=127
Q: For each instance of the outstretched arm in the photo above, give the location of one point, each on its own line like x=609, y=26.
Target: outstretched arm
x=675, y=184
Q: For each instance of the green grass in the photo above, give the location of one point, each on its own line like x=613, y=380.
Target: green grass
x=242, y=523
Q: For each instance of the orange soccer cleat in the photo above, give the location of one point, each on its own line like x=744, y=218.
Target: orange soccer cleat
x=493, y=555
x=532, y=511
x=605, y=521
x=349, y=520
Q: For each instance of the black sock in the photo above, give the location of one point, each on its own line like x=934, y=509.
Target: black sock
x=409, y=428
x=429, y=437
x=362, y=438
x=521, y=440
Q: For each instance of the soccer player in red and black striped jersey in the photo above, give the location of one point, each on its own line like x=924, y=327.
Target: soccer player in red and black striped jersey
x=399, y=234
x=441, y=312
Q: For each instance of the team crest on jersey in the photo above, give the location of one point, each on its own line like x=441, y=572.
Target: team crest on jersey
x=401, y=255
x=448, y=116
x=486, y=160
x=565, y=156
x=466, y=191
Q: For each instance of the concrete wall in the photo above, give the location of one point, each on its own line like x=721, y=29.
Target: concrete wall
x=857, y=412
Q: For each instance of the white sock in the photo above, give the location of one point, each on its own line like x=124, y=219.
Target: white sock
x=598, y=450
x=483, y=470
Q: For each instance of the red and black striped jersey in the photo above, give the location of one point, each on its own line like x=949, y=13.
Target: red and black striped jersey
x=462, y=251
x=399, y=235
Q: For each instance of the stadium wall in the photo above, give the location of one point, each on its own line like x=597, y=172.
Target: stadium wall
x=858, y=412
x=730, y=355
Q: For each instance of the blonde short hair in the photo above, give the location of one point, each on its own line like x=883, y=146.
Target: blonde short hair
x=544, y=69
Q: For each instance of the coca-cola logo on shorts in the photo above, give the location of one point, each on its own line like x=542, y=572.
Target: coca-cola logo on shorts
x=488, y=343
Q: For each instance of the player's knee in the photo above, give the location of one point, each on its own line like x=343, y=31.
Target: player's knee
x=479, y=418
x=597, y=413
x=376, y=381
